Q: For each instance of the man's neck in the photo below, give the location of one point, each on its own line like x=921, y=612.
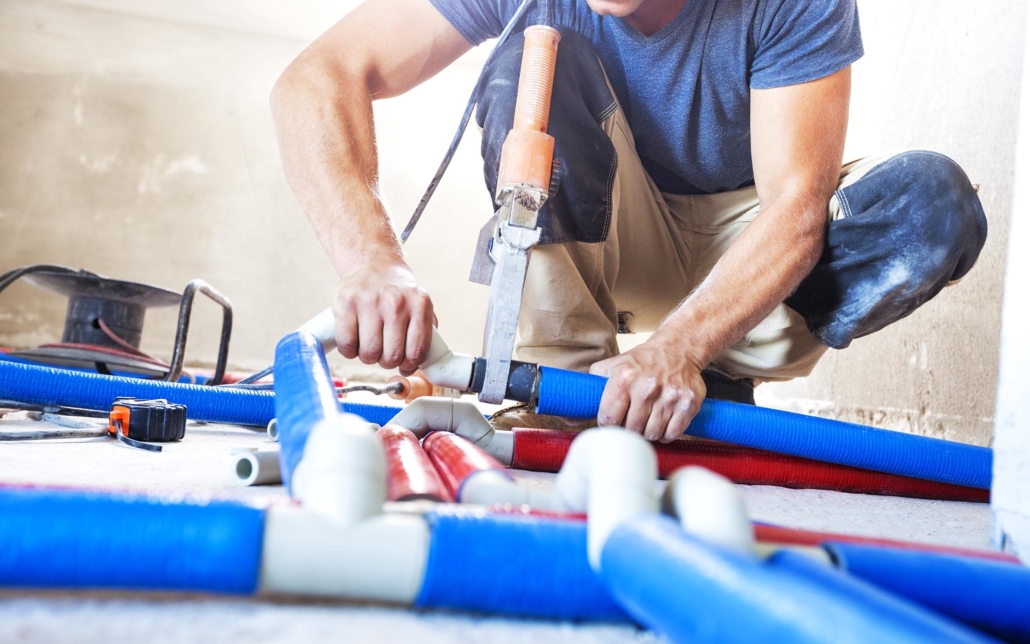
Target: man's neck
x=654, y=15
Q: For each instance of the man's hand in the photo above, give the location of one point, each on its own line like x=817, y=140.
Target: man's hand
x=654, y=389
x=383, y=316
x=797, y=141
x=322, y=107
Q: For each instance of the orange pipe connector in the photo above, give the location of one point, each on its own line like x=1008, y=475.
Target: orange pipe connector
x=413, y=387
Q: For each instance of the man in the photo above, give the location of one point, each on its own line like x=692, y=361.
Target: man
x=701, y=193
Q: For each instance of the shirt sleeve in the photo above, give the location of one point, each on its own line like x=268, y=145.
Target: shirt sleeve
x=797, y=41
x=477, y=20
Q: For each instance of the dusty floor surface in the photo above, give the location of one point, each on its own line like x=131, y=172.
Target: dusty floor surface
x=202, y=464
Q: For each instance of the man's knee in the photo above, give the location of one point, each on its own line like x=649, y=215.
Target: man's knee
x=940, y=210
x=914, y=224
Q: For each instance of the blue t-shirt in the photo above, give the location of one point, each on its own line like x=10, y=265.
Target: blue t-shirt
x=685, y=90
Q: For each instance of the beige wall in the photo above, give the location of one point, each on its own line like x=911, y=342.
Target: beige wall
x=135, y=140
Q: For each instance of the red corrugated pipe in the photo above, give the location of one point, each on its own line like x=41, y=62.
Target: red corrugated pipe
x=543, y=450
x=410, y=473
x=791, y=536
x=456, y=459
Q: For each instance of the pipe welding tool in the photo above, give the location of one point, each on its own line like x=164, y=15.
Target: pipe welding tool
x=523, y=182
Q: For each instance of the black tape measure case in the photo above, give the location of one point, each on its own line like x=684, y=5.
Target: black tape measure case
x=152, y=421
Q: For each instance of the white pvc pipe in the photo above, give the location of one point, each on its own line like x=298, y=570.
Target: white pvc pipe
x=442, y=367
x=711, y=507
x=430, y=414
x=273, y=430
x=257, y=468
x=610, y=474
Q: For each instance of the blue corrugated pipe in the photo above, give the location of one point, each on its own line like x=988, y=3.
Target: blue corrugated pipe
x=578, y=395
x=305, y=395
x=91, y=540
x=48, y=386
x=989, y=595
x=692, y=591
x=199, y=380
x=515, y=565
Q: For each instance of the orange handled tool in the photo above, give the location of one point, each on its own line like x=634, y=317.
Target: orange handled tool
x=523, y=181
x=528, y=150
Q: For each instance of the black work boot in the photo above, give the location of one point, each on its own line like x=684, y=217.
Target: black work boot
x=722, y=387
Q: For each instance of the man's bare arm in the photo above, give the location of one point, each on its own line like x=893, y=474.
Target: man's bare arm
x=797, y=144
x=322, y=107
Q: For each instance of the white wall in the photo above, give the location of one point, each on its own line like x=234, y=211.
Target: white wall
x=136, y=141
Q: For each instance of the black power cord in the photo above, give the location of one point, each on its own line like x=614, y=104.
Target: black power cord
x=519, y=14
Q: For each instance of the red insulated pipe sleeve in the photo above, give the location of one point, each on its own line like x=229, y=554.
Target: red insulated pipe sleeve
x=790, y=536
x=456, y=459
x=410, y=474
x=543, y=450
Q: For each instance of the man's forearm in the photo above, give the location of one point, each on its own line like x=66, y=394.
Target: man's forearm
x=323, y=117
x=760, y=269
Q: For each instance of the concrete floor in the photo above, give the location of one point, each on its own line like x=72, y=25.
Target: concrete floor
x=201, y=464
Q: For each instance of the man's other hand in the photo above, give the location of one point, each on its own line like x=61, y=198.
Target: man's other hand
x=383, y=316
x=653, y=389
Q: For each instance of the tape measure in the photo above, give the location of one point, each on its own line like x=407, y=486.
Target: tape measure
x=140, y=422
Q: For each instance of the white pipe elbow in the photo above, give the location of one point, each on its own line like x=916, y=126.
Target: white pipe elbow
x=610, y=474
x=463, y=418
x=710, y=507
x=442, y=367
x=342, y=474
x=323, y=327
x=490, y=487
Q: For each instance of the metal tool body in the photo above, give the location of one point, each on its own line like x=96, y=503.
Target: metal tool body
x=522, y=187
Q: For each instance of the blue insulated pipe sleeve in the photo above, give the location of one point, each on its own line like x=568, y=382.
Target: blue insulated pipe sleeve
x=304, y=396
x=378, y=414
x=989, y=595
x=515, y=565
x=48, y=386
x=57, y=539
x=692, y=591
x=72, y=388
x=578, y=395
x=569, y=394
